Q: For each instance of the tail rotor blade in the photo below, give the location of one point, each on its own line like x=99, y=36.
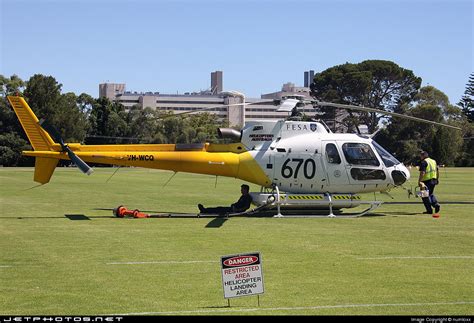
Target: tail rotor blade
x=54, y=133
x=78, y=162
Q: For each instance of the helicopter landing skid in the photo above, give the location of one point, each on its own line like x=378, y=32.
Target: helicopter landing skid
x=309, y=205
x=328, y=213
x=306, y=212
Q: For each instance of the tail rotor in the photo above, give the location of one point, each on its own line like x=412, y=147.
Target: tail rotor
x=54, y=133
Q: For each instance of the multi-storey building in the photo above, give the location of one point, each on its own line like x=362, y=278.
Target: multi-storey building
x=235, y=114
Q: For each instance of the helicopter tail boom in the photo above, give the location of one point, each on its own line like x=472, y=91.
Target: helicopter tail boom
x=230, y=160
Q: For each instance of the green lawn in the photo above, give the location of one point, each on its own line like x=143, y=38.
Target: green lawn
x=396, y=261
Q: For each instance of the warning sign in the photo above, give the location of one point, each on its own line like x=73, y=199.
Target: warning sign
x=242, y=275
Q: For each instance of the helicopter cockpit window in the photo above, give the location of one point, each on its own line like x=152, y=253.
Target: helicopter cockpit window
x=332, y=154
x=367, y=174
x=359, y=154
x=387, y=158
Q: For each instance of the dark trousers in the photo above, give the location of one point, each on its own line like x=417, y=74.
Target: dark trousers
x=431, y=200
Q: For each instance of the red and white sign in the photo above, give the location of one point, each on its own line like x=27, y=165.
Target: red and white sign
x=242, y=275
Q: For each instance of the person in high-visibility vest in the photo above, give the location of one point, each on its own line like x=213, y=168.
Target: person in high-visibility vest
x=429, y=178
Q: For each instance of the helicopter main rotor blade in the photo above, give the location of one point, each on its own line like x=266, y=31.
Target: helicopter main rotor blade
x=288, y=105
x=365, y=109
x=215, y=107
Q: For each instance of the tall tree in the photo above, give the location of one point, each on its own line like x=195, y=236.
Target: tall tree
x=405, y=138
x=43, y=94
x=12, y=138
x=205, y=126
x=10, y=86
x=108, y=119
x=8, y=120
x=377, y=84
x=85, y=103
x=143, y=124
x=467, y=105
x=72, y=122
x=467, y=100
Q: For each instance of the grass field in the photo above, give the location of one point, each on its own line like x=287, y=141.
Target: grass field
x=60, y=255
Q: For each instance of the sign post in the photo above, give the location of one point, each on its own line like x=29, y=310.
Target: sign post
x=242, y=275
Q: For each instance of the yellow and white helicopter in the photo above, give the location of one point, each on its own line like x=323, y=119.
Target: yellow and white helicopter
x=298, y=164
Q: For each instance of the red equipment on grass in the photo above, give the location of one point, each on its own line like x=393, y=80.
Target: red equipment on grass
x=121, y=212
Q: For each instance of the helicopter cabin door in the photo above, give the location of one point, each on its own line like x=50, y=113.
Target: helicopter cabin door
x=364, y=168
x=334, y=166
x=299, y=172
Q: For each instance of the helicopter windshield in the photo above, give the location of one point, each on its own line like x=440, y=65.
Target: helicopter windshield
x=359, y=154
x=387, y=158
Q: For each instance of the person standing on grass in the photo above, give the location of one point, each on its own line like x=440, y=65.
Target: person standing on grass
x=428, y=179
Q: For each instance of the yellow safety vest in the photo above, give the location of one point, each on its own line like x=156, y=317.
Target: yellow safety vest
x=430, y=171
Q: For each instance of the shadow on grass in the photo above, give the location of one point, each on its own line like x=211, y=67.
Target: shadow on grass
x=76, y=217
x=390, y=213
x=371, y=215
x=216, y=222
x=402, y=213
x=421, y=203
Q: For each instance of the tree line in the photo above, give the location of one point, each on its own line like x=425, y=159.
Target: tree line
x=373, y=83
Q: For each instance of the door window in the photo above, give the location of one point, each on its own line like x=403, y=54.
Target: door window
x=332, y=155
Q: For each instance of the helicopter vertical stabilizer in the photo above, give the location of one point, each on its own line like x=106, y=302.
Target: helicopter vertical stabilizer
x=39, y=139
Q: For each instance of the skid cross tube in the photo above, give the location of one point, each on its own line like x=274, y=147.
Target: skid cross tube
x=278, y=203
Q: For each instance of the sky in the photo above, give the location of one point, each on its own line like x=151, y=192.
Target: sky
x=173, y=46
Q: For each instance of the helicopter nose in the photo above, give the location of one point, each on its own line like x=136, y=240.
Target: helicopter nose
x=400, y=175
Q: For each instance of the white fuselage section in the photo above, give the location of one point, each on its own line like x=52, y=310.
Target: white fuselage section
x=305, y=157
